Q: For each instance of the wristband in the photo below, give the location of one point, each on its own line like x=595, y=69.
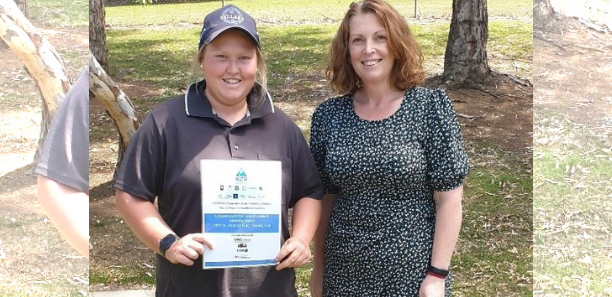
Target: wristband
x=437, y=272
x=436, y=275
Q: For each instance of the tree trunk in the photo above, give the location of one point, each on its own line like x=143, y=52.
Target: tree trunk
x=23, y=6
x=97, y=34
x=41, y=60
x=465, y=59
x=116, y=102
x=543, y=13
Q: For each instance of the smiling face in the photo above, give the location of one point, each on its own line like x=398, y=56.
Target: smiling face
x=229, y=63
x=369, y=49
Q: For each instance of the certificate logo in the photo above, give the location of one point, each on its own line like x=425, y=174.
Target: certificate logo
x=241, y=176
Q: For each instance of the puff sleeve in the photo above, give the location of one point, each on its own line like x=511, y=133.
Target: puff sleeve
x=447, y=160
x=318, y=145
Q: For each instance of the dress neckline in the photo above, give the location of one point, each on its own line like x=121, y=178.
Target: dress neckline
x=360, y=119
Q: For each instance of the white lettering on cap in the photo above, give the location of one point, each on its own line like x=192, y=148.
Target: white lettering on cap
x=232, y=16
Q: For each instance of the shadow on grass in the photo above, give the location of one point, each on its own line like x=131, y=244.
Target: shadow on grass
x=165, y=58
x=148, y=56
x=102, y=191
x=14, y=180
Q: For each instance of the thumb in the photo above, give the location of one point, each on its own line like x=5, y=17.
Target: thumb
x=199, y=237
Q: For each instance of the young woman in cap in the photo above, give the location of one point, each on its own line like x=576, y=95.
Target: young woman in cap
x=227, y=115
x=392, y=161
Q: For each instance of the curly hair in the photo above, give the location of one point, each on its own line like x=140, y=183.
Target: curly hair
x=407, y=68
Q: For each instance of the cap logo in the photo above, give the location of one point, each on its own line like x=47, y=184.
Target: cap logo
x=232, y=16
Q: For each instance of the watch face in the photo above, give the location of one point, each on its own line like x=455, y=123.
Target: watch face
x=167, y=241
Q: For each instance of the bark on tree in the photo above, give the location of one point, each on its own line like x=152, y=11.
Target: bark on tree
x=117, y=104
x=543, y=13
x=97, y=33
x=41, y=60
x=23, y=6
x=465, y=59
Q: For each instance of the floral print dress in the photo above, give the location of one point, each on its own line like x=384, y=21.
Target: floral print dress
x=384, y=173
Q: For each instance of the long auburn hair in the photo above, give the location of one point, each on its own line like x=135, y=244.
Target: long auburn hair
x=407, y=68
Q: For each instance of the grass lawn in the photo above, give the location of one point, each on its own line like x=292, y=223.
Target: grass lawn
x=292, y=51
x=572, y=214
x=284, y=12
x=59, y=13
x=39, y=263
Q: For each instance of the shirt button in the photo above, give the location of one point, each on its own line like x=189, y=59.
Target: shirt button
x=235, y=146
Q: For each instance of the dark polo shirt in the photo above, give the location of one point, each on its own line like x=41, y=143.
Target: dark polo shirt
x=163, y=161
x=64, y=156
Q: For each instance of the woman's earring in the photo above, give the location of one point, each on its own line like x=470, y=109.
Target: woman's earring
x=201, y=66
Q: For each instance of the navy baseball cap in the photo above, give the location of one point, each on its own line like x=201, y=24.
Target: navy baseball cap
x=224, y=18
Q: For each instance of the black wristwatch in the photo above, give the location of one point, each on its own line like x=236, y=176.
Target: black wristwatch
x=167, y=242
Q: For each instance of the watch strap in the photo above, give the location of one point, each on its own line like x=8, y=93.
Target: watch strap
x=167, y=242
x=437, y=272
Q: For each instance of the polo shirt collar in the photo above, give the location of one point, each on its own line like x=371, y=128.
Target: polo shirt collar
x=196, y=103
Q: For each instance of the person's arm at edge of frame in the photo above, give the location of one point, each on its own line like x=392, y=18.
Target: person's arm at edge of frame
x=148, y=225
x=316, y=278
x=306, y=215
x=448, y=224
x=64, y=206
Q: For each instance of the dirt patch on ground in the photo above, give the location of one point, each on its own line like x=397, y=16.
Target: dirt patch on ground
x=497, y=115
x=573, y=71
x=34, y=260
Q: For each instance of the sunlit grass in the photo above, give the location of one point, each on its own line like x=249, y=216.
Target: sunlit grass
x=282, y=12
x=59, y=13
x=572, y=209
x=166, y=58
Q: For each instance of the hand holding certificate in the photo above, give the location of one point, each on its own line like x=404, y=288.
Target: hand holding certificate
x=241, y=212
x=187, y=249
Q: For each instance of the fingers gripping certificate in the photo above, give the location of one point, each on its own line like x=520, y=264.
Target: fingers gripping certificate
x=241, y=212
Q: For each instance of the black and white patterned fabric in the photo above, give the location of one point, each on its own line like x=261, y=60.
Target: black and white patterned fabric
x=384, y=173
